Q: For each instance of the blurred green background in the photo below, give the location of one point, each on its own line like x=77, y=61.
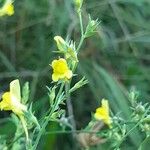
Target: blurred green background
x=114, y=61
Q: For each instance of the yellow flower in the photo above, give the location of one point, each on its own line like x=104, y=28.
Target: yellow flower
x=102, y=113
x=7, y=9
x=11, y=100
x=60, y=70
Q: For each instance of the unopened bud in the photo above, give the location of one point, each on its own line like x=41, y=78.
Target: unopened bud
x=146, y=127
x=147, y=119
x=79, y=84
x=78, y=4
x=91, y=27
x=61, y=44
x=52, y=95
x=140, y=109
x=117, y=136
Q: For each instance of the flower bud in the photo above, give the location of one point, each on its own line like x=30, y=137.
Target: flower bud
x=117, y=136
x=71, y=53
x=52, y=95
x=147, y=119
x=78, y=4
x=91, y=27
x=61, y=44
x=67, y=48
x=140, y=109
x=79, y=84
x=146, y=127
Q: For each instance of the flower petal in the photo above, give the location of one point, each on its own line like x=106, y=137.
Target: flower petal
x=5, y=104
x=55, y=77
x=15, y=90
x=68, y=74
x=54, y=62
x=105, y=104
x=102, y=113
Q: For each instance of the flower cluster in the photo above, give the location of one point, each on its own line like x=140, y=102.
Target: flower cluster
x=102, y=127
x=60, y=66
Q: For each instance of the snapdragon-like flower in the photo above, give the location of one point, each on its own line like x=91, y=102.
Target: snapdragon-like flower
x=12, y=100
x=7, y=9
x=60, y=70
x=102, y=113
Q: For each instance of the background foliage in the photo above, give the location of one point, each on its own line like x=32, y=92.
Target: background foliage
x=114, y=61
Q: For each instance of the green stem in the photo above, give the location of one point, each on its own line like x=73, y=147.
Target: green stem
x=81, y=22
x=69, y=107
x=80, y=43
x=41, y=132
x=82, y=31
x=67, y=86
x=128, y=133
x=70, y=111
x=76, y=131
x=24, y=124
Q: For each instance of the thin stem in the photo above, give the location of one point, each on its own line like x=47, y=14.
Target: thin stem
x=132, y=129
x=82, y=30
x=81, y=22
x=75, y=131
x=80, y=43
x=70, y=108
x=24, y=126
x=41, y=132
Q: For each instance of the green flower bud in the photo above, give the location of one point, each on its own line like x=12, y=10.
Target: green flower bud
x=117, y=136
x=78, y=4
x=140, y=109
x=67, y=48
x=52, y=95
x=71, y=53
x=79, y=84
x=146, y=127
x=91, y=27
x=61, y=44
x=147, y=119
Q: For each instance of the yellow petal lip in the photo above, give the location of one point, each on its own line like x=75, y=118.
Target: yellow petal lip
x=54, y=62
x=60, y=70
x=5, y=104
x=102, y=113
x=55, y=77
x=7, y=8
x=10, y=10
